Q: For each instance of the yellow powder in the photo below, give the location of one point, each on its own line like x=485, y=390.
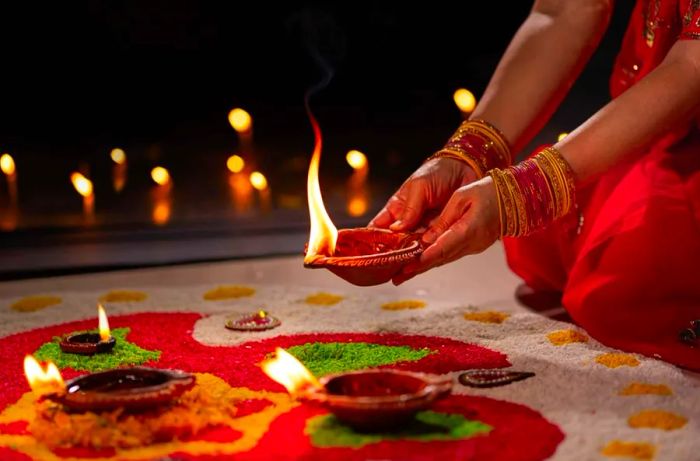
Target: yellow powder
x=563, y=337
x=123, y=296
x=634, y=450
x=323, y=299
x=657, y=419
x=646, y=389
x=228, y=292
x=252, y=427
x=405, y=304
x=35, y=303
x=617, y=359
x=487, y=316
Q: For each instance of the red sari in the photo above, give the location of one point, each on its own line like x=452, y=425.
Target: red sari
x=631, y=275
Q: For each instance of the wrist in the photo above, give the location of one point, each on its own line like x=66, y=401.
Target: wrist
x=478, y=144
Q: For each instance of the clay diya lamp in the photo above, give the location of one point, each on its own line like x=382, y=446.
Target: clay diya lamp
x=88, y=343
x=366, y=256
x=361, y=256
x=258, y=321
x=367, y=400
x=378, y=400
x=131, y=389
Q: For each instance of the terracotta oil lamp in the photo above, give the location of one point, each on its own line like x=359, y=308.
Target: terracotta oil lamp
x=367, y=400
x=86, y=343
x=362, y=256
x=131, y=389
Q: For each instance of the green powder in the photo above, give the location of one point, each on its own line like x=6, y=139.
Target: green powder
x=427, y=426
x=328, y=358
x=124, y=353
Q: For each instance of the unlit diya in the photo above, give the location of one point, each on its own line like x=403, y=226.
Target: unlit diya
x=492, y=377
x=366, y=256
x=377, y=400
x=133, y=389
x=86, y=343
x=257, y=321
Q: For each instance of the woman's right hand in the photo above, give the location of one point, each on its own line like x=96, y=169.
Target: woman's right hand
x=427, y=190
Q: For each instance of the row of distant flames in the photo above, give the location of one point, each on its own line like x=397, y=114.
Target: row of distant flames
x=240, y=120
x=283, y=368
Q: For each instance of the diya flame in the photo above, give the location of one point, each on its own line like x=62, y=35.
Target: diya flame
x=42, y=380
x=323, y=235
x=103, y=324
x=285, y=369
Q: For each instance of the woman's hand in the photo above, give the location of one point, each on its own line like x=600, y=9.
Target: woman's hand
x=429, y=188
x=468, y=224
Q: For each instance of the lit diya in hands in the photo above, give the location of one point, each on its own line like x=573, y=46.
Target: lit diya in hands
x=367, y=400
x=130, y=389
x=88, y=343
x=361, y=256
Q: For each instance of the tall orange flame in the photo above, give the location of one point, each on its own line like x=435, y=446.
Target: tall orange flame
x=323, y=235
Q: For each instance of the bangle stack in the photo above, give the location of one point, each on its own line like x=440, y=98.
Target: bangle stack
x=534, y=193
x=480, y=145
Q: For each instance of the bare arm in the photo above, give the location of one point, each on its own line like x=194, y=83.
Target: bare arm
x=541, y=63
x=668, y=95
x=545, y=56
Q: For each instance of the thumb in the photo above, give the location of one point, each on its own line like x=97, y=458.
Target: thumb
x=412, y=210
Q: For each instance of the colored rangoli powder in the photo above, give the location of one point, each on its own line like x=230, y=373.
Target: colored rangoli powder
x=617, y=359
x=635, y=450
x=328, y=358
x=124, y=353
x=123, y=296
x=35, y=303
x=404, y=304
x=210, y=402
x=563, y=337
x=323, y=299
x=228, y=292
x=646, y=389
x=327, y=431
x=487, y=316
x=657, y=419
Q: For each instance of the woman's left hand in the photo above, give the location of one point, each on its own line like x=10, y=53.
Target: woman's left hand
x=468, y=224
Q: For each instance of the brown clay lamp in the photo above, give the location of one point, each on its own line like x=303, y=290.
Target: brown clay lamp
x=87, y=343
x=362, y=256
x=130, y=389
x=367, y=400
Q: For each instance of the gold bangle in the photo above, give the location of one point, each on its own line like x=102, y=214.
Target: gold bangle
x=519, y=203
x=495, y=134
x=459, y=155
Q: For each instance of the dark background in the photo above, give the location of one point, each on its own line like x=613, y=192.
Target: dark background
x=158, y=78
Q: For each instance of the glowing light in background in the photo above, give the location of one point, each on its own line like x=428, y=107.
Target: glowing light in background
x=465, y=100
x=258, y=180
x=562, y=136
x=7, y=164
x=160, y=176
x=235, y=164
x=161, y=212
x=240, y=120
x=118, y=156
x=81, y=184
x=357, y=206
x=356, y=159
